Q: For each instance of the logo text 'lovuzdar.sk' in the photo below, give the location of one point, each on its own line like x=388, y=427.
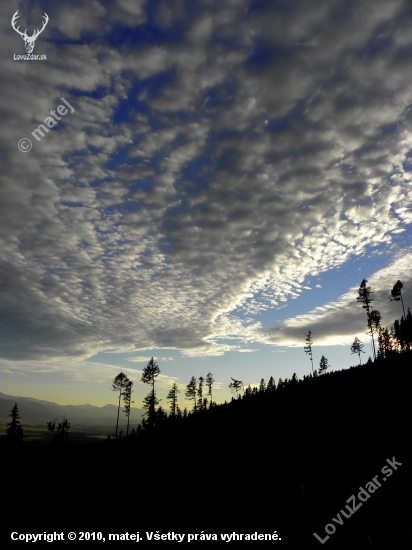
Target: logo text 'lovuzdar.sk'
x=363, y=496
x=29, y=41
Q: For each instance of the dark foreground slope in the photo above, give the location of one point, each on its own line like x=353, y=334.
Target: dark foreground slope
x=286, y=461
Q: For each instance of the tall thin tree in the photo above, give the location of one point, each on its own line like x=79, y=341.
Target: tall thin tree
x=119, y=384
x=172, y=398
x=209, y=384
x=356, y=347
x=364, y=297
x=308, y=347
x=200, y=392
x=150, y=372
x=374, y=321
x=191, y=391
x=127, y=400
x=396, y=294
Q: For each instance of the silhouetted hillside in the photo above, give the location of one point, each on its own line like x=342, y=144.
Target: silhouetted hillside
x=286, y=460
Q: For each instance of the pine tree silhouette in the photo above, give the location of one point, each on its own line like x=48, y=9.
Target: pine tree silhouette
x=356, y=347
x=119, y=384
x=364, y=297
x=150, y=372
x=308, y=347
x=191, y=391
x=14, y=430
x=396, y=294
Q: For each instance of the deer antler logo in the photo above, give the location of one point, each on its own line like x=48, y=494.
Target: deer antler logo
x=29, y=40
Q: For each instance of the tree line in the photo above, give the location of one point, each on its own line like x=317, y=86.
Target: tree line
x=391, y=341
x=197, y=391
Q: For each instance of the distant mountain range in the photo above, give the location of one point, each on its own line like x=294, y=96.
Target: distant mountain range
x=37, y=411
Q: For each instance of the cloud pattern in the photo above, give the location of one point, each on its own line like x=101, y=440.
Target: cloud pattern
x=218, y=155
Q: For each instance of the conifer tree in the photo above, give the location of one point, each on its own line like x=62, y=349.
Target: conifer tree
x=119, y=384
x=271, y=385
x=262, y=386
x=375, y=320
x=161, y=415
x=149, y=374
x=294, y=380
x=172, y=398
x=356, y=347
x=384, y=343
x=209, y=384
x=308, y=347
x=14, y=430
x=396, y=294
x=62, y=430
x=191, y=391
x=200, y=393
x=323, y=365
x=364, y=297
x=127, y=399
x=150, y=403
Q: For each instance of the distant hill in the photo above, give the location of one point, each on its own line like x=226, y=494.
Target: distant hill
x=37, y=411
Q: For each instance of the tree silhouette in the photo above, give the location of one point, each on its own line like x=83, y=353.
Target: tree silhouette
x=161, y=415
x=191, y=391
x=62, y=430
x=119, y=384
x=356, y=347
x=200, y=393
x=396, y=294
x=248, y=391
x=403, y=331
x=127, y=399
x=374, y=321
x=14, y=430
x=209, y=384
x=150, y=403
x=364, y=297
x=172, y=398
x=236, y=386
x=271, y=385
x=323, y=365
x=308, y=347
x=150, y=372
x=385, y=343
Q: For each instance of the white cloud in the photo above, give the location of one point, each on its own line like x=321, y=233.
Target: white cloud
x=337, y=323
x=164, y=210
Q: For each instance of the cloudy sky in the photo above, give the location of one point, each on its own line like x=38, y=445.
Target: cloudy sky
x=227, y=175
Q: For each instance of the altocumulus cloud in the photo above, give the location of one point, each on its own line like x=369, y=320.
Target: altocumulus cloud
x=218, y=155
x=338, y=323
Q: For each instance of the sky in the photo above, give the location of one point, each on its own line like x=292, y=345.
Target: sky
x=221, y=178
